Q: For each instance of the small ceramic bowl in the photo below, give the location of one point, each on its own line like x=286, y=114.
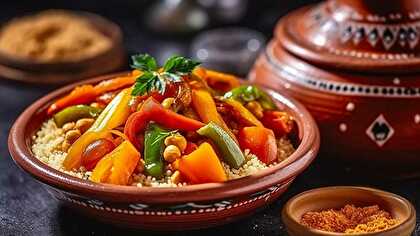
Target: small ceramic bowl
x=26, y=70
x=337, y=197
x=180, y=208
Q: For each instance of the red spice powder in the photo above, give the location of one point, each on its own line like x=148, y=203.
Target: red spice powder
x=349, y=218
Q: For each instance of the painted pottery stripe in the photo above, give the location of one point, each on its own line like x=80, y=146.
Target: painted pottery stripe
x=348, y=89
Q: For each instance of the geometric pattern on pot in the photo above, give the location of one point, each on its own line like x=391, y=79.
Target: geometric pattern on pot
x=179, y=209
x=294, y=75
x=380, y=131
x=406, y=35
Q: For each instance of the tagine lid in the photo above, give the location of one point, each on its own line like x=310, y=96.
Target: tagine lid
x=364, y=35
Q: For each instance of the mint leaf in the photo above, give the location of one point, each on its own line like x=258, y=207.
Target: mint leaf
x=144, y=62
x=178, y=64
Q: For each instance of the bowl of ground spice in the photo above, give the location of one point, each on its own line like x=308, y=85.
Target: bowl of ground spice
x=346, y=210
x=58, y=46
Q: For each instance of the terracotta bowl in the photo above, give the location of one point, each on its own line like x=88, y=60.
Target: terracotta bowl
x=337, y=197
x=189, y=207
x=21, y=69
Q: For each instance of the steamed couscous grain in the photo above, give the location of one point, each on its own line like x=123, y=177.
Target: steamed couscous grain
x=47, y=148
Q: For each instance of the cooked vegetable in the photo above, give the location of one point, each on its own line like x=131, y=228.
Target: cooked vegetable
x=95, y=151
x=248, y=93
x=84, y=124
x=75, y=113
x=221, y=81
x=153, y=149
x=205, y=106
x=114, y=115
x=72, y=135
x=202, y=166
x=151, y=110
x=116, y=83
x=243, y=112
x=228, y=148
x=80, y=95
x=190, y=148
x=87, y=93
x=280, y=122
x=73, y=160
x=186, y=123
x=153, y=80
x=171, y=153
x=255, y=108
x=260, y=141
x=117, y=166
x=177, y=140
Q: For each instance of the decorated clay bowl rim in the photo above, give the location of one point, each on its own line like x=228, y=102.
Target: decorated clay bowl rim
x=20, y=140
x=104, y=26
x=391, y=197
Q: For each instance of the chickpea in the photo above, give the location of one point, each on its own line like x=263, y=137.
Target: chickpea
x=177, y=140
x=68, y=126
x=255, y=108
x=65, y=145
x=140, y=166
x=96, y=105
x=84, y=124
x=171, y=153
x=176, y=177
x=167, y=103
x=72, y=135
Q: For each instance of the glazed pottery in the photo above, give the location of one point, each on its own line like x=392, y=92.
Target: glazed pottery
x=337, y=197
x=26, y=70
x=188, y=207
x=355, y=65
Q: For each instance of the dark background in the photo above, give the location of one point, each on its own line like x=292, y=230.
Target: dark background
x=27, y=209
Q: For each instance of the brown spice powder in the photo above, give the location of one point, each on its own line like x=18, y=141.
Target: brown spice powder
x=350, y=219
x=52, y=36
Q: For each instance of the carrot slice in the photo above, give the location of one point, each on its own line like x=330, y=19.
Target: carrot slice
x=102, y=170
x=117, y=166
x=205, y=107
x=202, y=166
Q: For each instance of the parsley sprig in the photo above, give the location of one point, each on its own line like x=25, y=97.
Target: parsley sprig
x=154, y=80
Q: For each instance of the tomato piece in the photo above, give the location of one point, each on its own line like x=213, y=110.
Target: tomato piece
x=278, y=121
x=260, y=141
x=190, y=148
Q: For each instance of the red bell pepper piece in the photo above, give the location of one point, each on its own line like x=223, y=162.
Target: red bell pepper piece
x=278, y=121
x=151, y=110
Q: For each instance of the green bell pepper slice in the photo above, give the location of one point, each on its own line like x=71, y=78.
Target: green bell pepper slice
x=75, y=113
x=153, y=149
x=248, y=93
x=231, y=152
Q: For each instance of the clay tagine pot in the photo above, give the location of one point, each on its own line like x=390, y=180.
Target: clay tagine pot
x=355, y=64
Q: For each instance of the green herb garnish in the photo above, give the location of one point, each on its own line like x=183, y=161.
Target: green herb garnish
x=154, y=80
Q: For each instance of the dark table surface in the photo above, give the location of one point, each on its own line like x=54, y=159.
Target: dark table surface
x=27, y=209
